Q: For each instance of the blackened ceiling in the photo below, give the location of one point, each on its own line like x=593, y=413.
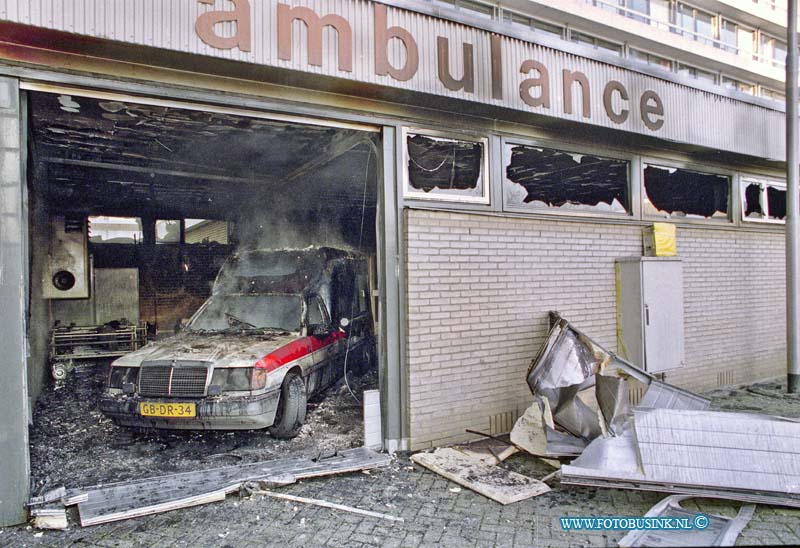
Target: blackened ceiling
x=119, y=158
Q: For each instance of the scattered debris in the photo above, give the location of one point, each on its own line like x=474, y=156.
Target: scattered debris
x=493, y=482
x=125, y=500
x=49, y=518
x=50, y=496
x=73, y=444
x=489, y=454
x=322, y=503
x=720, y=531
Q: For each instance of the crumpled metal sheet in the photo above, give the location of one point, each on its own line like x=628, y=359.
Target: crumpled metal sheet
x=721, y=530
x=570, y=362
x=753, y=458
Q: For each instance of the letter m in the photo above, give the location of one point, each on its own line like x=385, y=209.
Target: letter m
x=314, y=24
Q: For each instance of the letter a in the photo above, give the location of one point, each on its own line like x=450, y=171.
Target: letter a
x=240, y=15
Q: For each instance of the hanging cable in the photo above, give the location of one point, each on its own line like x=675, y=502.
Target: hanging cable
x=355, y=281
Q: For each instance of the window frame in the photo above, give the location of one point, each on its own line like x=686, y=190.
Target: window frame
x=672, y=62
x=594, y=42
x=410, y=193
x=632, y=213
x=689, y=166
x=141, y=231
x=748, y=179
x=679, y=65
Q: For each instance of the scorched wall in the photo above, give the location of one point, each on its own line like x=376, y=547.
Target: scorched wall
x=480, y=288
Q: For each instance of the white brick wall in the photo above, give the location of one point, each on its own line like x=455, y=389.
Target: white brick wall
x=480, y=288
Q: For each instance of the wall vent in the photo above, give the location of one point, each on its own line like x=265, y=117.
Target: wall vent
x=725, y=378
x=502, y=422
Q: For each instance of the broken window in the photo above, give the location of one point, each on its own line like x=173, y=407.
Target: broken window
x=677, y=192
x=205, y=231
x=168, y=232
x=763, y=200
x=115, y=230
x=539, y=177
x=444, y=168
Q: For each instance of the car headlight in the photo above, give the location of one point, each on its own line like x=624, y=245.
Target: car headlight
x=120, y=376
x=237, y=379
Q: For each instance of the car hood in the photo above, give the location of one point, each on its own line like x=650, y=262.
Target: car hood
x=221, y=349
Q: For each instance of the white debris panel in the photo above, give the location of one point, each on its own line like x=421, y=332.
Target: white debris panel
x=739, y=456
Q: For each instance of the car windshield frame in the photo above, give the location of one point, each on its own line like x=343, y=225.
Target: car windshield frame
x=232, y=318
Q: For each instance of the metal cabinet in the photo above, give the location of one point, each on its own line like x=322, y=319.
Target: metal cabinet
x=650, y=312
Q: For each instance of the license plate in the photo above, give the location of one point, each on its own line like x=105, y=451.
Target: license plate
x=175, y=410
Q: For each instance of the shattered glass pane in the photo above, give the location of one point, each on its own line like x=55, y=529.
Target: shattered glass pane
x=776, y=202
x=168, y=232
x=752, y=202
x=449, y=166
x=538, y=177
x=675, y=192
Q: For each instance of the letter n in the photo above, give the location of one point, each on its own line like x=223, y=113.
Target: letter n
x=579, y=77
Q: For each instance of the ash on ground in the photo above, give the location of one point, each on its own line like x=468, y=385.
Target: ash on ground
x=73, y=444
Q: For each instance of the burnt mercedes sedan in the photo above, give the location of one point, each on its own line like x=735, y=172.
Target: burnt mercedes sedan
x=279, y=327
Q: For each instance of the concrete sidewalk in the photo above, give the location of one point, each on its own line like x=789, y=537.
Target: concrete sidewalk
x=436, y=512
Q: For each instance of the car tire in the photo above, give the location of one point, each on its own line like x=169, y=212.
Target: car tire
x=291, y=413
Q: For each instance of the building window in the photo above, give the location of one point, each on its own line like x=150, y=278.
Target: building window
x=697, y=74
x=115, y=230
x=659, y=11
x=475, y=8
x=773, y=94
x=772, y=50
x=168, y=232
x=546, y=178
x=596, y=43
x=763, y=200
x=206, y=231
x=744, y=87
x=694, y=23
x=650, y=59
x=530, y=23
x=684, y=193
x=445, y=168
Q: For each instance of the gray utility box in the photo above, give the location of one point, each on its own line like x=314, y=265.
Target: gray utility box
x=650, y=312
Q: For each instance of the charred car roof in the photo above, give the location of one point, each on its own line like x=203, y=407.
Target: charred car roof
x=289, y=271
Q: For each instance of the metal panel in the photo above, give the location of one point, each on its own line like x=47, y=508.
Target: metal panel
x=14, y=466
x=116, y=295
x=720, y=450
x=739, y=456
x=662, y=291
x=692, y=115
x=720, y=530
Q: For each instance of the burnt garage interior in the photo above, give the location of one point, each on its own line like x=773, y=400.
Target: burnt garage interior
x=135, y=206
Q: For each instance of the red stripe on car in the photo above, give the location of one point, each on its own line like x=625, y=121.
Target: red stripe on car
x=296, y=350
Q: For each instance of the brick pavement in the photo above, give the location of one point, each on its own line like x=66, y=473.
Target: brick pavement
x=434, y=515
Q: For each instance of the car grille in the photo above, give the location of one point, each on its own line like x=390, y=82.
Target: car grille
x=177, y=381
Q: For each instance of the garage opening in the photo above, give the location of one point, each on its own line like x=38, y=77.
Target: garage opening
x=203, y=286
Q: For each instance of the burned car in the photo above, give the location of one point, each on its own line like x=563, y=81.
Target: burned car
x=280, y=326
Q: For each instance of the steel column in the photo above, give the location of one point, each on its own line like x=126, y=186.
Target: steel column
x=792, y=207
x=14, y=466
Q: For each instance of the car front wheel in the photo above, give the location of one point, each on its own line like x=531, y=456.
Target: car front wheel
x=291, y=413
